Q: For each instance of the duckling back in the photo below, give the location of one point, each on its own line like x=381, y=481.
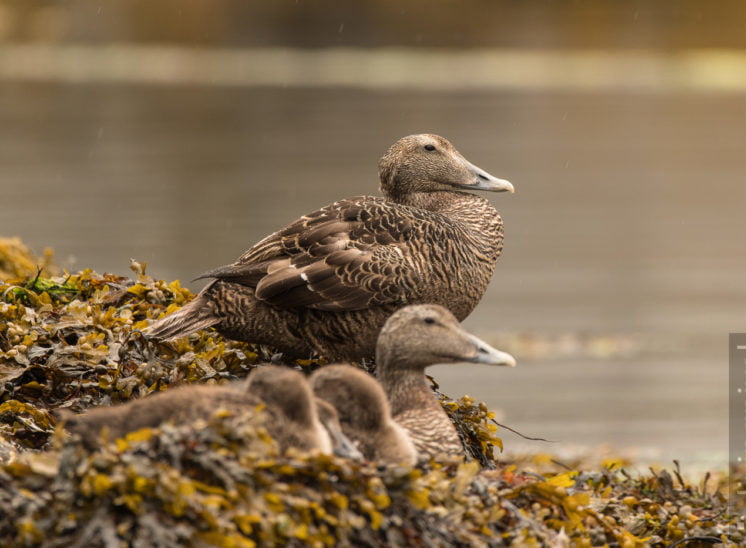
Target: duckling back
x=281, y=394
x=179, y=405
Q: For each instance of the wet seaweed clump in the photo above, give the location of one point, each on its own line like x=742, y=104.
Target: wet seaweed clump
x=72, y=340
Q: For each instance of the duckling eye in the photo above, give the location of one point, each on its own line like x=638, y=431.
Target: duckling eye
x=430, y=320
x=429, y=147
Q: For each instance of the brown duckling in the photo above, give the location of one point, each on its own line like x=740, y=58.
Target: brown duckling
x=179, y=405
x=328, y=281
x=412, y=339
x=292, y=418
x=364, y=413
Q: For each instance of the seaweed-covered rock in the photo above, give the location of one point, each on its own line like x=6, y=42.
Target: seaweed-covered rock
x=17, y=261
x=73, y=341
x=222, y=483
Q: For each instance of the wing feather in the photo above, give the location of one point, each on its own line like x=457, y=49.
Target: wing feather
x=349, y=255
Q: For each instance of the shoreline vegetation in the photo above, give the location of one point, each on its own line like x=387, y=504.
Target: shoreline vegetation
x=386, y=68
x=71, y=340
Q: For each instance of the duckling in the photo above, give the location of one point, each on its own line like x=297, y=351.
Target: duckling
x=182, y=404
x=412, y=339
x=328, y=281
x=295, y=417
x=364, y=413
x=292, y=419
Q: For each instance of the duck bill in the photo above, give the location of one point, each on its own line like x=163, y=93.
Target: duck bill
x=484, y=181
x=489, y=355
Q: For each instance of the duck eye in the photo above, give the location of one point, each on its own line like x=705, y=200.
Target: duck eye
x=430, y=320
x=429, y=147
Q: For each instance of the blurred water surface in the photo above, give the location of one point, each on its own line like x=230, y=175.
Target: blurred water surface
x=623, y=270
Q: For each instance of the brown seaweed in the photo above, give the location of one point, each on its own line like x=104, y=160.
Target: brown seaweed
x=71, y=341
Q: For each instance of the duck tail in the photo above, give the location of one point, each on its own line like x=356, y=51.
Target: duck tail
x=196, y=315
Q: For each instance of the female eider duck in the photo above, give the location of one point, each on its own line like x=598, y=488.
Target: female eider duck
x=364, y=414
x=412, y=339
x=328, y=281
x=292, y=419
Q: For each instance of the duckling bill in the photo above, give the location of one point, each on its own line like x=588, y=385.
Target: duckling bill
x=328, y=281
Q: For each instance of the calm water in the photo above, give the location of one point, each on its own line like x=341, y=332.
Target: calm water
x=624, y=265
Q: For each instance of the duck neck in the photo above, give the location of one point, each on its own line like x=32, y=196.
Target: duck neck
x=474, y=215
x=405, y=384
x=440, y=201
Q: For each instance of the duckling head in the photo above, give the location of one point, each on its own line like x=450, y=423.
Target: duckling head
x=358, y=398
x=284, y=389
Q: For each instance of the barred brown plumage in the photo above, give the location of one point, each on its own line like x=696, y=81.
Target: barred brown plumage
x=328, y=281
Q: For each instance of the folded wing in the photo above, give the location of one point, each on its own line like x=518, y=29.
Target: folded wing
x=350, y=255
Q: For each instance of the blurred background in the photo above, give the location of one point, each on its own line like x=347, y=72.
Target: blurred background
x=180, y=132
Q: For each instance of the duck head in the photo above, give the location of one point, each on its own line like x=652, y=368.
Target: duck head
x=430, y=163
x=417, y=336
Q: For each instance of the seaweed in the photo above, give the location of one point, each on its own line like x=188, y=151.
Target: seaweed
x=73, y=340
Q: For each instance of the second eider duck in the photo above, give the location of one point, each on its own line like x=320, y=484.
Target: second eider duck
x=328, y=281
x=411, y=340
